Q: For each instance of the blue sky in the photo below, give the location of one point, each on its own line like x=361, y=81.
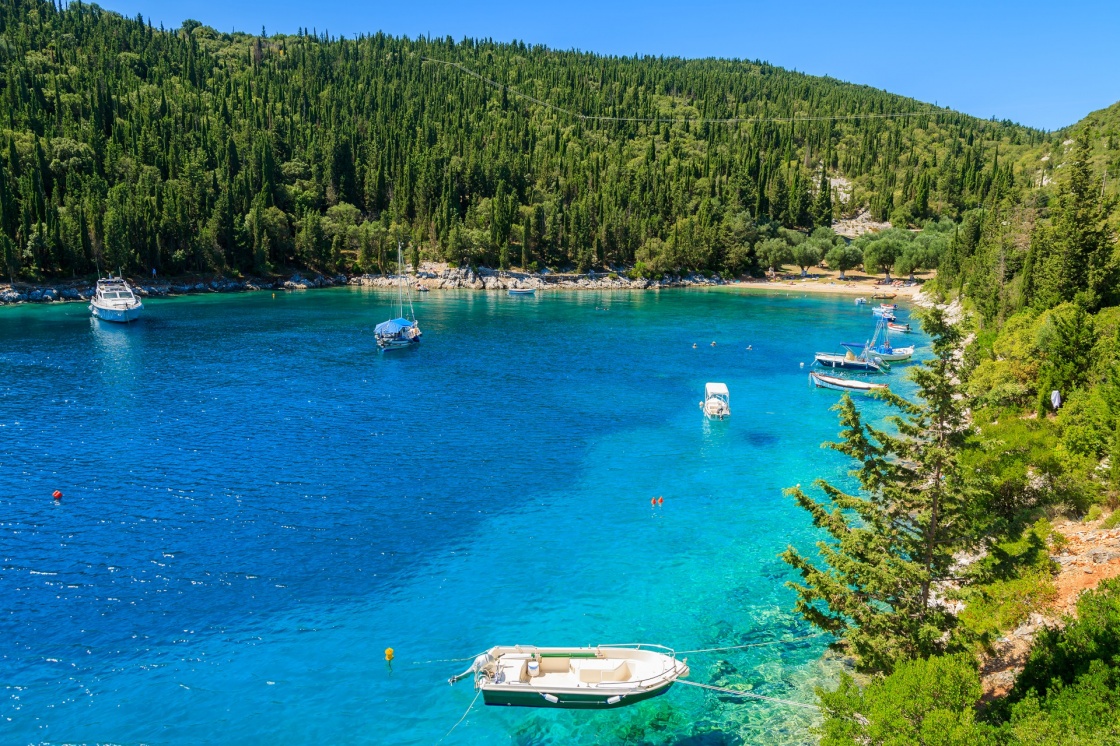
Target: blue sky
x=1044, y=64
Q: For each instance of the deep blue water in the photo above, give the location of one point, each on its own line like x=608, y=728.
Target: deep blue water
x=257, y=504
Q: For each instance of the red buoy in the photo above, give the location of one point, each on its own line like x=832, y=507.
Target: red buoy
x=653, y=501
x=660, y=500
x=57, y=495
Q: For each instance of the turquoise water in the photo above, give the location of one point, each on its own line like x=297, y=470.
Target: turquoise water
x=257, y=504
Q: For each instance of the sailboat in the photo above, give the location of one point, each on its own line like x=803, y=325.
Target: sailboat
x=880, y=346
x=402, y=331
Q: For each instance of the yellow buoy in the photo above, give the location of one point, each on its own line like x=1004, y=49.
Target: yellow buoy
x=389, y=654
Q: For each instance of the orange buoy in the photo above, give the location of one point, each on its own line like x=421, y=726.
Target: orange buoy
x=57, y=495
x=653, y=501
x=660, y=500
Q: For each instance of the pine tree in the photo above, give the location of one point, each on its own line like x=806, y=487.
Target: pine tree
x=1074, y=255
x=891, y=545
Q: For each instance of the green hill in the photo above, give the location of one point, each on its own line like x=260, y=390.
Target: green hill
x=193, y=150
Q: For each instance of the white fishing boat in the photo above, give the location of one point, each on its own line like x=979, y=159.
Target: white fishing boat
x=522, y=291
x=717, y=401
x=903, y=328
x=837, y=383
x=851, y=361
x=879, y=348
x=403, y=331
x=860, y=301
x=114, y=300
x=575, y=678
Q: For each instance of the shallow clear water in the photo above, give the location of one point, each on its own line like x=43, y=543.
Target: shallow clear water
x=257, y=504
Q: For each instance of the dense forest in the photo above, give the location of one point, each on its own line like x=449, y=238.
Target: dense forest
x=947, y=540
x=187, y=149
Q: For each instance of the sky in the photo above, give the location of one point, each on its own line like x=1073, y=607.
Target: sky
x=1042, y=64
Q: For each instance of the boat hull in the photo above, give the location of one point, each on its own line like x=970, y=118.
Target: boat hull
x=839, y=361
x=116, y=315
x=522, y=291
x=840, y=384
x=898, y=355
x=569, y=700
x=397, y=344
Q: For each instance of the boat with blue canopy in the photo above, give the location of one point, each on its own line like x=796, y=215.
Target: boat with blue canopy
x=879, y=347
x=402, y=331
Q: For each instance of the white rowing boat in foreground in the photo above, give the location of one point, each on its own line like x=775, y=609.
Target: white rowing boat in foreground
x=588, y=678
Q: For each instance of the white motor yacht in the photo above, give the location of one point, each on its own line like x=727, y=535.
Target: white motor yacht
x=115, y=300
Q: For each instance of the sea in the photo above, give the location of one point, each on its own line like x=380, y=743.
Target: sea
x=257, y=506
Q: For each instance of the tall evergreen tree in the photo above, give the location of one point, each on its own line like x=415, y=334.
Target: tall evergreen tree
x=891, y=544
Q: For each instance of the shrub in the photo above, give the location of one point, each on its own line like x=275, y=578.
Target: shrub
x=923, y=701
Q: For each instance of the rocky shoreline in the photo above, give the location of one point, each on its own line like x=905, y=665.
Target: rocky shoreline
x=431, y=278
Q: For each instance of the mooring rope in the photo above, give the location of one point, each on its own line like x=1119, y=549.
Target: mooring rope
x=752, y=695
x=446, y=660
x=468, y=712
x=751, y=645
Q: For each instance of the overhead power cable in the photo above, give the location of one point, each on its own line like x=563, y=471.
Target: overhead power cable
x=671, y=120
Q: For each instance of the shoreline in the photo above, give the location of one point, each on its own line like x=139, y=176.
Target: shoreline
x=440, y=277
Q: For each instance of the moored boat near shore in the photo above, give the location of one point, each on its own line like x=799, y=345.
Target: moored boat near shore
x=114, y=300
x=575, y=678
x=402, y=331
x=850, y=360
x=837, y=383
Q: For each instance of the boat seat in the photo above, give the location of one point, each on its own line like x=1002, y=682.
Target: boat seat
x=555, y=665
x=515, y=669
x=599, y=671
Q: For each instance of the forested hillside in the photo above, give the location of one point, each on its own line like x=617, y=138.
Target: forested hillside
x=1004, y=444
x=191, y=150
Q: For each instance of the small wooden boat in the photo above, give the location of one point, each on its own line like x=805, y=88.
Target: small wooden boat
x=850, y=361
x=589, y=678
x=836, y=383
x=889, y=306
x=422, y=289
x=904, y=328
x=883, y=296
x=717, y=401
x=522, y=291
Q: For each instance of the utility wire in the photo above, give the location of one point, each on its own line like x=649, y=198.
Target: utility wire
x=669, y=120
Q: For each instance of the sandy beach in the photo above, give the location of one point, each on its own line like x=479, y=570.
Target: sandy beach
x=823, y=281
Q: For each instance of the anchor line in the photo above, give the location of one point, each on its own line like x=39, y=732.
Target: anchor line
x=446, y=660
x=752, y=695
x=751, y=645
x=671, y=120
x=468, y=712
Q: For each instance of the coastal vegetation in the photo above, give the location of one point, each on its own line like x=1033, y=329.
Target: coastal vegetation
x=1033, y=377
x=187, y=149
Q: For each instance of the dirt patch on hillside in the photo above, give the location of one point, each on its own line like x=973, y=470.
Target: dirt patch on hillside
x=1091, y=554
